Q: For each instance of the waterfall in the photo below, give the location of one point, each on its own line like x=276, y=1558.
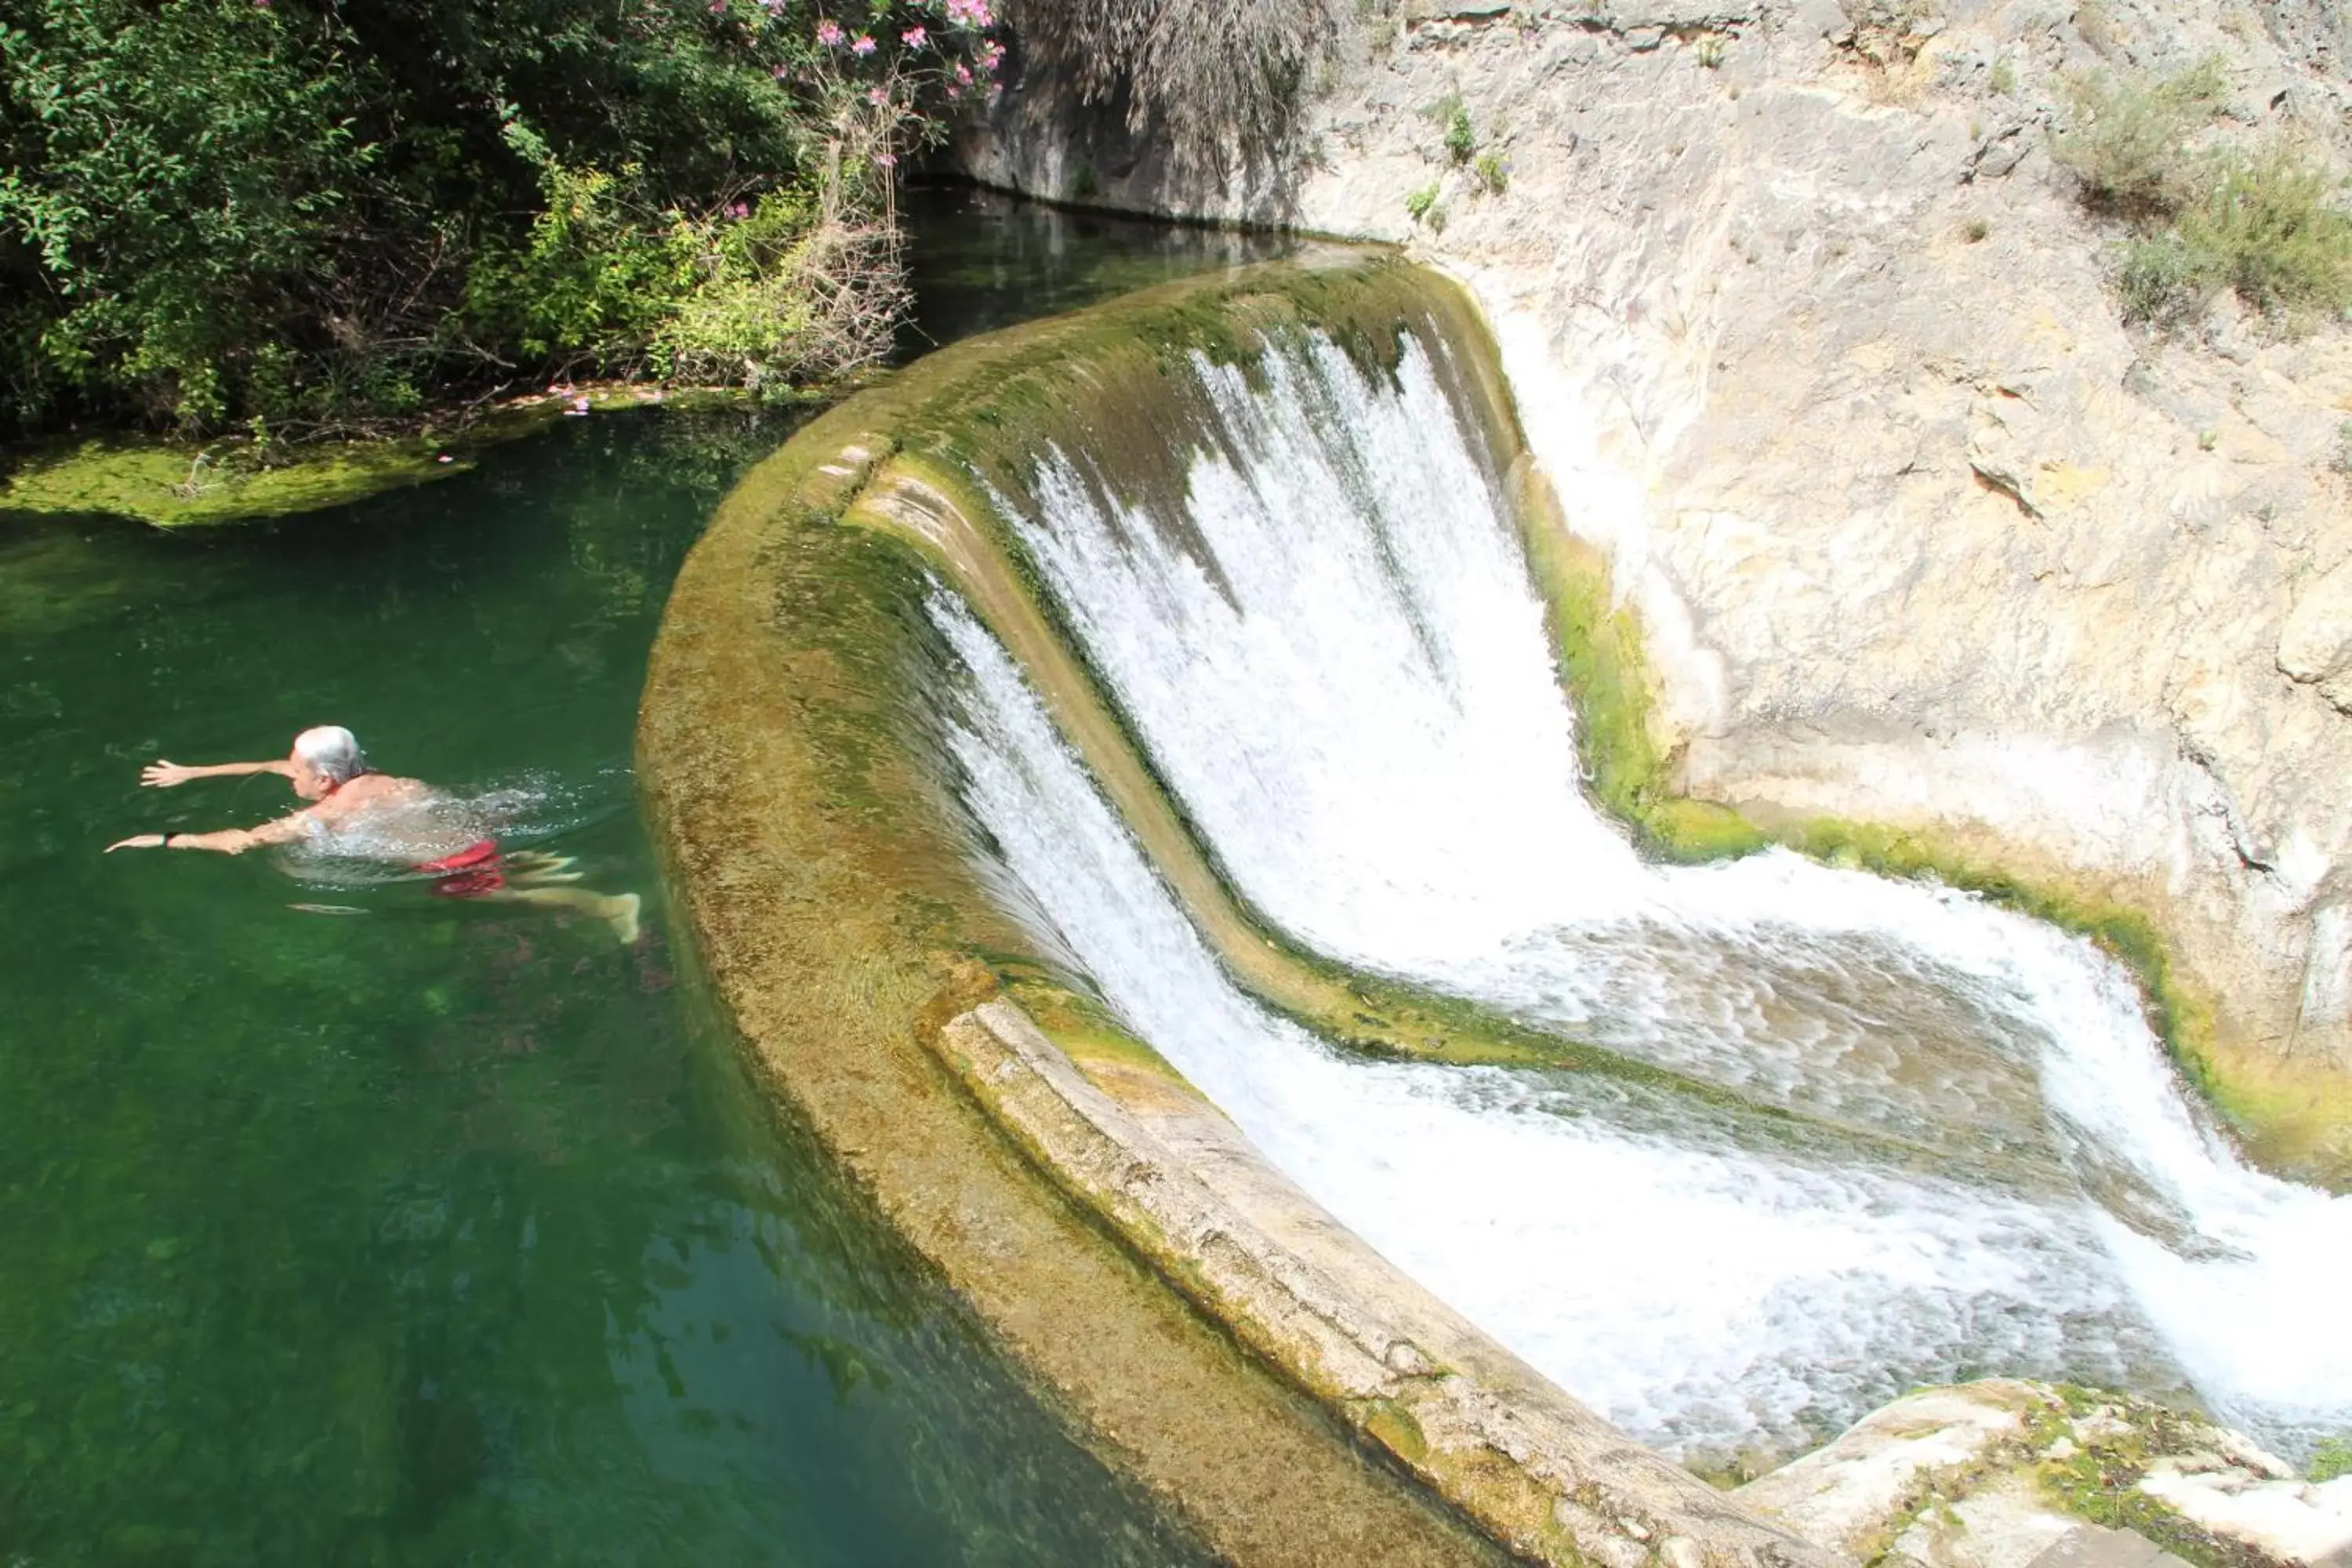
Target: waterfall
x=1334, y=655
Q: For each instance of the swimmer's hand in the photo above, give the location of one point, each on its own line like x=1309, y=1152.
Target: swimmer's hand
x=162, y=774
x=136, y=841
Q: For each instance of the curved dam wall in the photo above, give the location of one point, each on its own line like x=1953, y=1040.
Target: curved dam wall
x=797, y=743
x=1135, y=755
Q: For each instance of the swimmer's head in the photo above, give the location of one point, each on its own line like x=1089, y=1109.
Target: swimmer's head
x=323, y=758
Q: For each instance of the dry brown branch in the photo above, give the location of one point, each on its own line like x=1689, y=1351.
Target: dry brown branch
x=1214, y=78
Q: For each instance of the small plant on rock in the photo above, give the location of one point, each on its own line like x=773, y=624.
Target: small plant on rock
x=1461, y=141
x=1422, y=206
x=1493, y=178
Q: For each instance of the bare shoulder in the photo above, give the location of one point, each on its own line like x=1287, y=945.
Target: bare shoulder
x=378, y=789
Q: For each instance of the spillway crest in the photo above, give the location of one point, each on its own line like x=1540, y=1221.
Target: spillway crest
x=1943, y=1143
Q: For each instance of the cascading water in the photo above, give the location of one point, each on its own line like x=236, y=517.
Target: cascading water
x=1335, y=660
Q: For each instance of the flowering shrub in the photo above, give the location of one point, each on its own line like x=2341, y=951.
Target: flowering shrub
x=330, y=215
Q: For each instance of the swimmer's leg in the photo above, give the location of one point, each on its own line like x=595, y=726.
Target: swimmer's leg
x=617, y=911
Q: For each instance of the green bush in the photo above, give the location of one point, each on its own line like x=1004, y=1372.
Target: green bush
x=2333, y=1459
x=1422, y=206
x=1491, y=176
x=2161, y=282
x=2269, y=228
x=2125, y=139
x=325, y=215
x=2266, y=227
x=1461, y=141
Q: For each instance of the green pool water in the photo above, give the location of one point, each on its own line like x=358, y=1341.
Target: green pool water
x=397, y=1229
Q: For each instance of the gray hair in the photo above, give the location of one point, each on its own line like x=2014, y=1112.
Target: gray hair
x=333, y=751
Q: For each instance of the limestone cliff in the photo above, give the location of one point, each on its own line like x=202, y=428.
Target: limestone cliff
x=1815, y=339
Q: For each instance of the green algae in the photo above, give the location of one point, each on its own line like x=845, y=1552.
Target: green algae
x=172, y=483
x=2099, y=1481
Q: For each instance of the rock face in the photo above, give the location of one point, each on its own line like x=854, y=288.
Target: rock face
x=1814, y=340
x=1997, y=1475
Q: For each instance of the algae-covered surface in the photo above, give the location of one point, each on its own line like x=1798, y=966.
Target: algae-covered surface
x=174, y=483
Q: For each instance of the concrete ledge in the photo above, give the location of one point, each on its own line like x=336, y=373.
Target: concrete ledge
x=1179, y=1184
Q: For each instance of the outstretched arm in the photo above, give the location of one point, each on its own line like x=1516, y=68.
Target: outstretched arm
x=227, y=841
x=162, y=774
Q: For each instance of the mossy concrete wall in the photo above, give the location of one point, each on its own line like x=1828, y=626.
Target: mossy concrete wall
x=831, y=898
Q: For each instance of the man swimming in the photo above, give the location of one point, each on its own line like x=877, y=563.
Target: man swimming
x=373, y=816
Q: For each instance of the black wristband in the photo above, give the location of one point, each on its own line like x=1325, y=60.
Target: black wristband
x=166, y=843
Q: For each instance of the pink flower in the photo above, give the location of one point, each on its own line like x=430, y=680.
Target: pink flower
x=954, y=91
x=876, y=95
x=991, y=54
x=829, y=33
x=913, y=37
x=963, y=75
x=969, y=13
x=781, y=73
x=740, y=209
x=888, y=160
x=864, y=46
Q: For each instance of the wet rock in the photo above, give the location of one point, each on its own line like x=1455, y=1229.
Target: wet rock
x=1993, y=1475
x=2286, y=1519
x=1850, y=1494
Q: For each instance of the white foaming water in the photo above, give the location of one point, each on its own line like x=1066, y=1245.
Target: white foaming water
x=1337, y=661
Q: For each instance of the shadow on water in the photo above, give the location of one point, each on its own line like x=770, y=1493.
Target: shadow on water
x=429, y=1231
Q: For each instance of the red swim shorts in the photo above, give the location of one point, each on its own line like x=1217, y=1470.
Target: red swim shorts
x=469, y=873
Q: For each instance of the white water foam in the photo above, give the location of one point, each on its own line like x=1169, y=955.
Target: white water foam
x=1337, y=661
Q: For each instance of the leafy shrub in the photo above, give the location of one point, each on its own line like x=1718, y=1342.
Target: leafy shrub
x=2125, y=139
x=2333, y=1459
x=1493, y=178
x=1422, y=206
x=326, y=215
x=1461, y=141
x=2264, y=226
x=2267, y=227
x=2162, y=283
